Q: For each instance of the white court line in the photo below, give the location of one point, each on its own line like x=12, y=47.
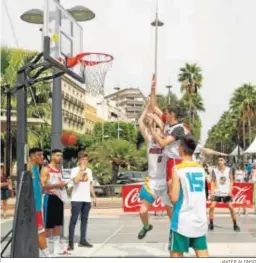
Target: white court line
x=6, y=220
x=212, y=232
x=105, y=241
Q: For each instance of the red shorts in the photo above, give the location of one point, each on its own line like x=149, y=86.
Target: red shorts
x=39, y=222
x=169, y=166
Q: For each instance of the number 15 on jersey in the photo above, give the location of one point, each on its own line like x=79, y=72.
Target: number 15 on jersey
x=196, y=181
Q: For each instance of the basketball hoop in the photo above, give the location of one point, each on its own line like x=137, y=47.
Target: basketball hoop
x=95, y=67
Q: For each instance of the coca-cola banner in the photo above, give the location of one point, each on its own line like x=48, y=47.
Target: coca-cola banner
x=242, y=197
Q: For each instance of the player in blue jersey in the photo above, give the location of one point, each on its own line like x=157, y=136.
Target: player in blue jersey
x=36, y=159
x=189, y=219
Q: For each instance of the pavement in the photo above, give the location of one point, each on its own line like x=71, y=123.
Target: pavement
x=116, y=236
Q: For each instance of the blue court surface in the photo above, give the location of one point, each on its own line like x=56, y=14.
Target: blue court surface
x=116, y=236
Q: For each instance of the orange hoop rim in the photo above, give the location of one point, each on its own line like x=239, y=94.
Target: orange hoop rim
x=73, y=61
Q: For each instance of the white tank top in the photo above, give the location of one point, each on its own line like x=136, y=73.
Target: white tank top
x=189, y=212
x=156, y=166
x=171, y=150
x=239, y=175
x=55, y=177
x=222, y=182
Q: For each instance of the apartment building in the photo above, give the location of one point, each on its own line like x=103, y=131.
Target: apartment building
x=91, y=118
x=73, y=106
x=131, y=100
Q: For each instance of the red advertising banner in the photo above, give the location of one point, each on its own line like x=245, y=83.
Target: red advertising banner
x=242, y=197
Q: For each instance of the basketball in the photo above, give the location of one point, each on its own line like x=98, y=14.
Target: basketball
x=68, y=138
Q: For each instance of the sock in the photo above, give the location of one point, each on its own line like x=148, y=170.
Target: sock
x=48, y=242
x=45, y=253
x=146, y=226
x=56, y=242
x=234, y=221
x=211, y=221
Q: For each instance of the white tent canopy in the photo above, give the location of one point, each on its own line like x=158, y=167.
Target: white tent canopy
x=235, y=152
x=252, y=147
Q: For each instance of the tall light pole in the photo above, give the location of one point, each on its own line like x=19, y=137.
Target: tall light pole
x=169, y=93
x=157, y=23
x=35, y=16
x=102, y=112
x=118, y=124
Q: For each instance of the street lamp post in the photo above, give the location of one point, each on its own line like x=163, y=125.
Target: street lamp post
x=102, y=112
x=157, y=23
x=35, y=16
x=169, y=93
x=118, y=124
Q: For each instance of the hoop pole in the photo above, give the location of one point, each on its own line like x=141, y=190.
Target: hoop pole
x=21, y=136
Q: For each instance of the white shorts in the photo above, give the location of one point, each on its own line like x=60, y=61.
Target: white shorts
x=151, y=194
x=163, y=195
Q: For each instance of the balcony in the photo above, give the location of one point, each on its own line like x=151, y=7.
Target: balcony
x=133, y=109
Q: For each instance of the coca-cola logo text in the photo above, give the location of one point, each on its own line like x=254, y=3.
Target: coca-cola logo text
x=132, y=199
x=240, y=197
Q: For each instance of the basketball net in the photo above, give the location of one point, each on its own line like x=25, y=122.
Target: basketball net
x=95, y=67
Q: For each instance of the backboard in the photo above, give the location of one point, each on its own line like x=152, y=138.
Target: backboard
x=63, y=37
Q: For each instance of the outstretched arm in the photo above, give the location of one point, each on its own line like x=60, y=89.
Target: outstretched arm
x=153, y=102
x=142, y=126
x=212, y=152
x=159, y=122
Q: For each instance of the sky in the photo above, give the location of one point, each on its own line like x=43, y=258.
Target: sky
x=218, y=35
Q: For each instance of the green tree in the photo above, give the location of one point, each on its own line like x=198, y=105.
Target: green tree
x=110, y=157
x=243, y=101
x=13, y=59
x=232, y=126
x=190, y=78
x=127, y=131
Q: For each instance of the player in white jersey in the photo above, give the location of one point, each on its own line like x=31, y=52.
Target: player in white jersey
x=221, y=190
x=173, y=131
x=155, y=184
x=189, y=219
x=52, y=182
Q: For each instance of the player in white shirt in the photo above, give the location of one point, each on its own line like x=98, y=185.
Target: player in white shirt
x=221, y=191
x=155, y=184
x=189, y=219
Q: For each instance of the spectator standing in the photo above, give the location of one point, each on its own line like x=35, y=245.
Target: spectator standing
x=253, y=177
x=81, y=199
x=240, y=176
x=5, y=191
x=53, y=184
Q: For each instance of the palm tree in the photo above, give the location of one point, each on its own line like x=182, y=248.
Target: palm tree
x=243, y=101
x=195, y=102
x=191, y=78
x=38, y=95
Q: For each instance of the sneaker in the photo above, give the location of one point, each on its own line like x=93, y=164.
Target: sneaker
x=211, y=227
x=85, y=244
x=70, y=246
x=236, y=228
x=144, y=231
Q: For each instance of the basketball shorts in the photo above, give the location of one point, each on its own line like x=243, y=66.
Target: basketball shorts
x=150, y=195
x=39, y=221
x=169, y=165
x=224, y=199
x=180, y=243
x=4, y=194
x=53, y=211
